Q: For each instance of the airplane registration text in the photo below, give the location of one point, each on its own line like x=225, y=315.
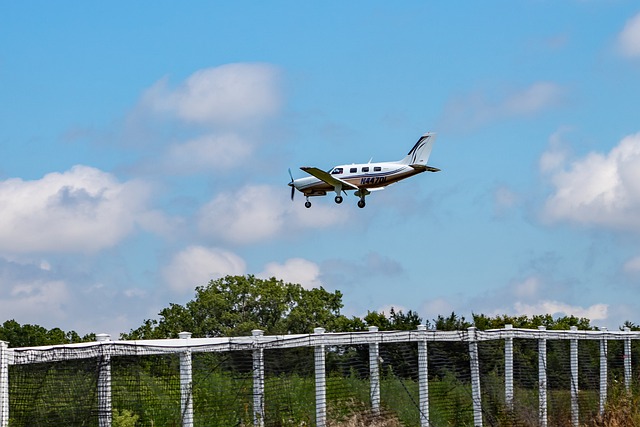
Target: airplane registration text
x=373, y=180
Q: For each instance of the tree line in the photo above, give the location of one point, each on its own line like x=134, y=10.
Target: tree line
x=235, y=305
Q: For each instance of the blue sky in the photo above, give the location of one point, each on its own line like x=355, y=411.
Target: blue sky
x=144, y=150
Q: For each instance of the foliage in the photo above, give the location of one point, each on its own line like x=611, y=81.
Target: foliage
x=33, y=335
x=235, y=305
x=124, y=418
x=632, y=326
x=451, y=323
x=622, y=410
x=396, y=321
x=484, y=322
x=48, y=394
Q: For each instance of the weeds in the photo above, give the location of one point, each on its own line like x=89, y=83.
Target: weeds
x=622, y=410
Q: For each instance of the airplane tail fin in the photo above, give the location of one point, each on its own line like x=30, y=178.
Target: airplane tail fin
x=419, y=154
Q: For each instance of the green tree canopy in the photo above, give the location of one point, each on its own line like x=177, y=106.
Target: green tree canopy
x=235, y=305
x=27, y=335
x=484, y=322
x=451, y=323
x=396, y=321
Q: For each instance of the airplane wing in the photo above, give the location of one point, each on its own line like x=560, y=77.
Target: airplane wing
x=328, y=178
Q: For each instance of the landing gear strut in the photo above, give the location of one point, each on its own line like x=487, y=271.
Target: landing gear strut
x=362, y=193
x=307, y=204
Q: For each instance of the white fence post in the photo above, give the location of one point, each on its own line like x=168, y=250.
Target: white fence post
x=4, y=384
x=105, y=417
x=374, y=373
x=321, y=382
x=186, y=383
x=627, y=360
x=475, y=377
x=423, y=378
x=258, y=380
x=542, y=379
x=603, y=371
x=575, y=407
x=508, y=368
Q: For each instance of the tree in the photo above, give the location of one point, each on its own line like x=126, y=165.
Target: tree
x=396, y=321
x=235, y=305
x=629, y=324
x=484, y=322
x=33, y=335
x=451, y=323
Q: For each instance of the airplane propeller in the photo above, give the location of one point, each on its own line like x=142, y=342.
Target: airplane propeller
x=293, y=188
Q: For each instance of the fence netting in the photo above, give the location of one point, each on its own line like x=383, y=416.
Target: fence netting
x=53, y=394
x=146, y=388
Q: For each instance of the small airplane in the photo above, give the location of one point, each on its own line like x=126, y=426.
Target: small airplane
x=365, y=177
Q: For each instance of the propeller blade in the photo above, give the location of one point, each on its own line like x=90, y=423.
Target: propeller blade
x=293, y=188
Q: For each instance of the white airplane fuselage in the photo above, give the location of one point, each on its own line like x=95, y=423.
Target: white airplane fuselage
x=363, y=178
x=368, y=176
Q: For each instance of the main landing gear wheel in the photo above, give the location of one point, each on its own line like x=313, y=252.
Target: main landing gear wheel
x=338, y=199
x=361, y=204
x=307, y=204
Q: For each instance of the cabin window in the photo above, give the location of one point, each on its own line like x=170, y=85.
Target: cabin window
x=377, y=168
x=365, y=169
x=336, y=171
x=353, y=170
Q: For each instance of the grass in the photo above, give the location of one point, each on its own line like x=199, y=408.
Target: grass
x=622, y=410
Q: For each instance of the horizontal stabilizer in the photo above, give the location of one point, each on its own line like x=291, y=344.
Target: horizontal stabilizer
x=425, y=168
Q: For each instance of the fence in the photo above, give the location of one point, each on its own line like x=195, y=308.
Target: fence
x=422, y=377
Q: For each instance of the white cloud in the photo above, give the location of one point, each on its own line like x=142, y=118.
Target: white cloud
x=83, y=209
x=632, y=266
x=35, y=302
x=555, y=157
x=600, y=190
x=248, y=215
x=504, y=199
x=556, y=308
x=197, y=265
x=432, y=308
x=135, y=293
x=531, y=100
x=258, y=212
x=210, y=153
x=210, y=122
x=294, y=270
x=228, y=94
x=477, y=108
x=629, y=38
x=527, y=289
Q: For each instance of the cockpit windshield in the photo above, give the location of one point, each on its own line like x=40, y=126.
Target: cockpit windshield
x=336, y=171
